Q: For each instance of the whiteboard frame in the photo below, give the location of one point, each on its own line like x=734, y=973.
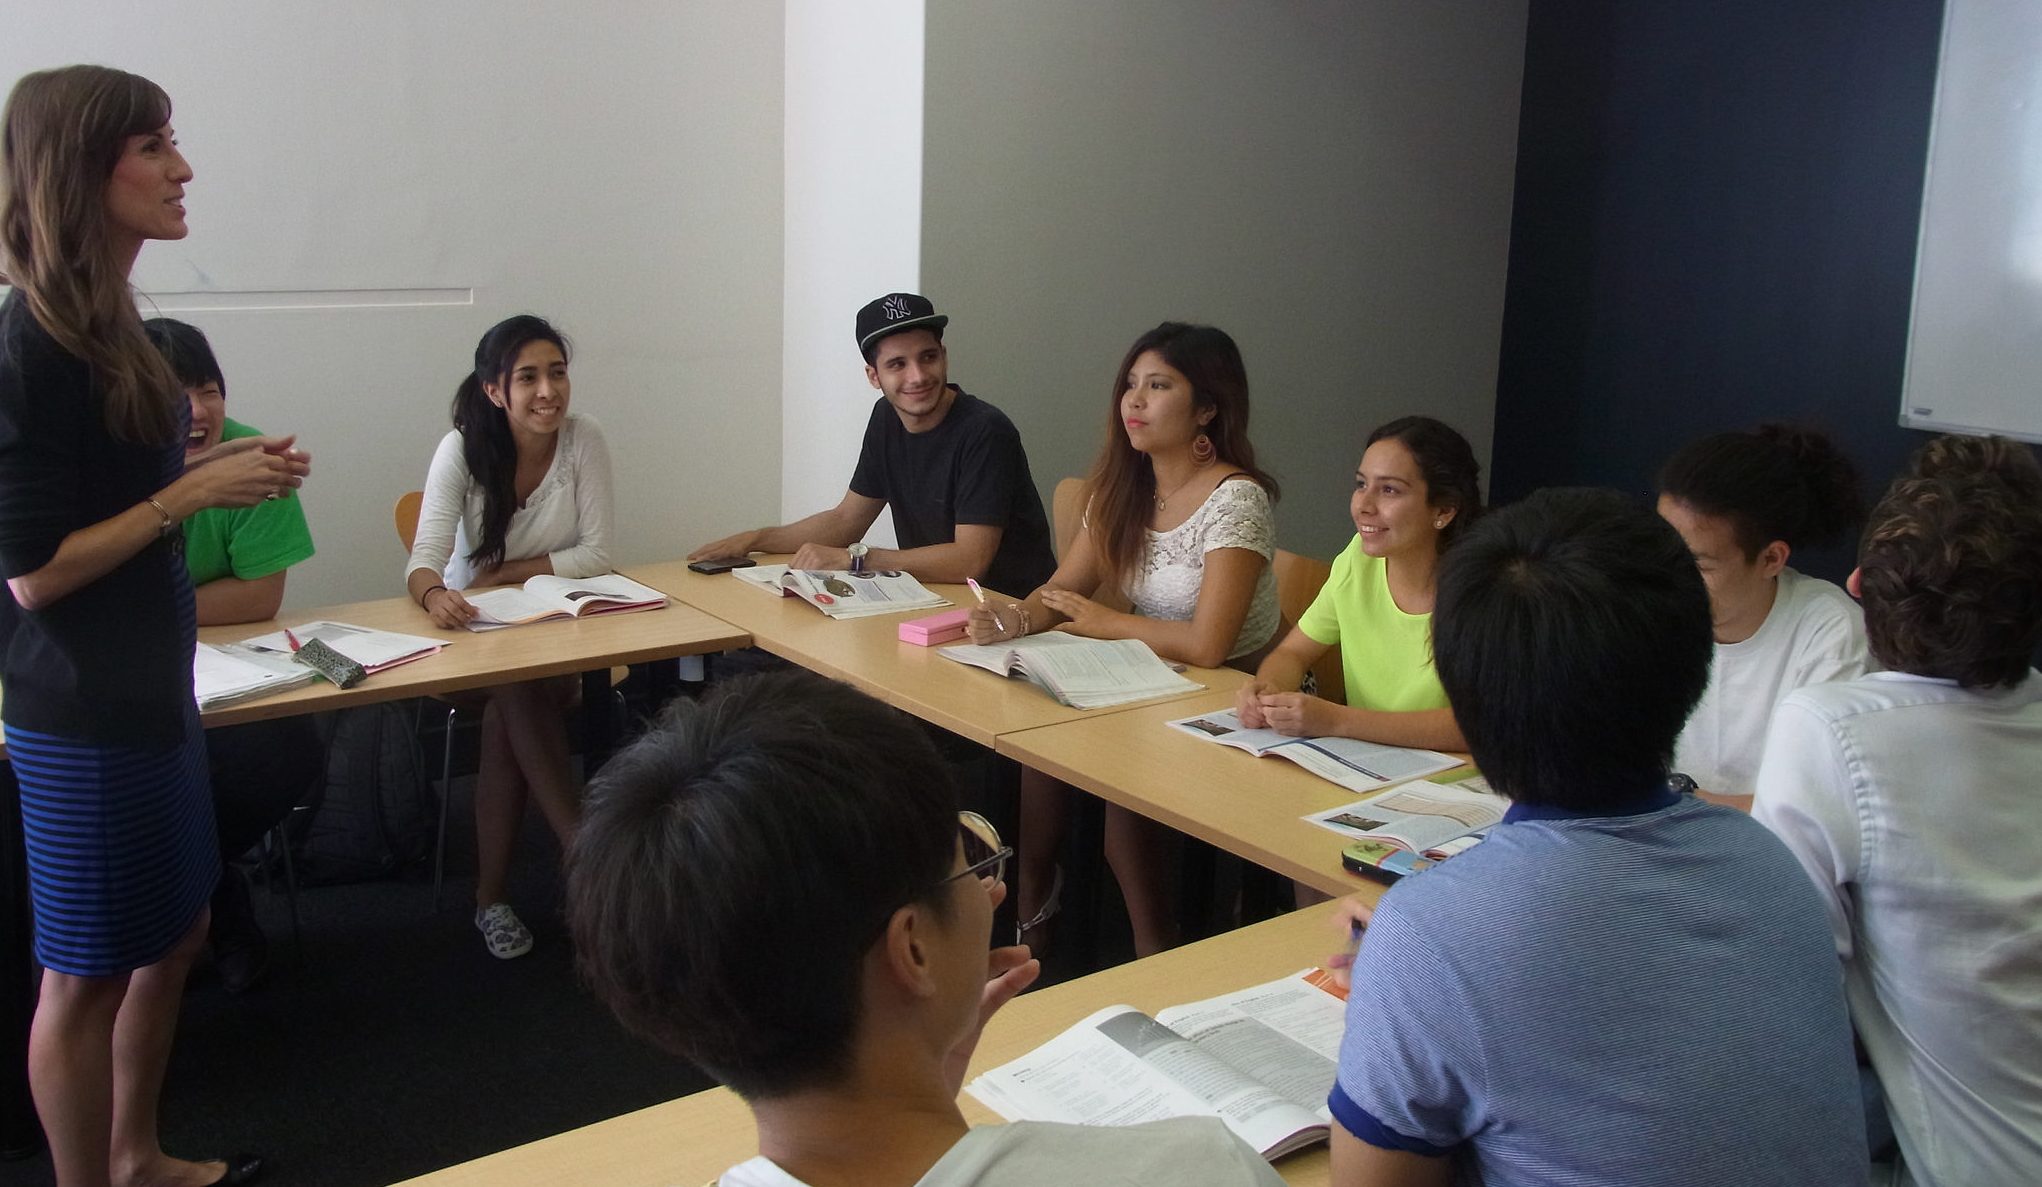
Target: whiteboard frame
x=1925, y=418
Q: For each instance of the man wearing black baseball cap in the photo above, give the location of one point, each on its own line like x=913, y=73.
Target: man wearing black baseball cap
x=949, y=464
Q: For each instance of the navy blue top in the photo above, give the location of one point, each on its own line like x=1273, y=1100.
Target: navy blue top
x=111, y=662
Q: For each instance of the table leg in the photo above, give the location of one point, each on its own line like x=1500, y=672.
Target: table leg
x=598, y=721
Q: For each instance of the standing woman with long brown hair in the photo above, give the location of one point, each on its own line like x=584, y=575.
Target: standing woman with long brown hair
x=96, y=636
x=1178, y=522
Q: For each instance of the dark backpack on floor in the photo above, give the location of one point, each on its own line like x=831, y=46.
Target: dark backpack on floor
x=375, y=815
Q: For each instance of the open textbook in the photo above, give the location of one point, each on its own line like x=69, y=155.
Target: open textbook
x=1082, y=673
x=374, y=650
x=547, y=596
x=235, y=673
x=1355, y=765
x=1405, y=829
x=841, y=593
x=1262, y=1060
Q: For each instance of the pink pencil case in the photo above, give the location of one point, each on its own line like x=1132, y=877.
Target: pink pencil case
x=936, y=629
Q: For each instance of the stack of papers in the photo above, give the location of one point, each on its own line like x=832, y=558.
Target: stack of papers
x=841, y=593
x=232, y=674
x=373, y=650
x=1081, y=673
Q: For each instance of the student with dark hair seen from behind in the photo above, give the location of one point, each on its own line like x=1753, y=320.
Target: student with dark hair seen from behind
x=1622, y=986
x=239, y=559
x=1746, y=502
x=775, y=884
x=1415, y=493
x=1909, y=797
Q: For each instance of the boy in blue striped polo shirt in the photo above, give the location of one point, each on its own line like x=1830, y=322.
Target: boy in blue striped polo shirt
x=1623, y=986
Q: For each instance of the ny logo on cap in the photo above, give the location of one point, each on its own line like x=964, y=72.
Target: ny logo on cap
x=896, y=307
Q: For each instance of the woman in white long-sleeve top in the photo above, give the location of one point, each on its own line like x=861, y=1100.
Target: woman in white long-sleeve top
x=519, y=488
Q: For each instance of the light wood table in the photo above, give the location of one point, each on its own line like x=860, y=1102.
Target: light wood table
x=696, y=1138
x=475, y=659
x=470, y=660
x=480, y=659
x=867, y=654
x=1228, y=798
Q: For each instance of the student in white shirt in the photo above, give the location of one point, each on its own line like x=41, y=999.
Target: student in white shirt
x=1745, y=502
x=775, y=884
x=1909, y=796
x=520, y=487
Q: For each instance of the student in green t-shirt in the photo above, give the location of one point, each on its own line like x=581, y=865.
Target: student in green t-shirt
x=239, y=558
x=1414, y=493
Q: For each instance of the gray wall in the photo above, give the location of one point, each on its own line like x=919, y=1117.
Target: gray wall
x=1328, y=182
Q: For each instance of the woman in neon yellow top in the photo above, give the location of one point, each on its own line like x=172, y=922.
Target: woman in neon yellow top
x=1414, y=492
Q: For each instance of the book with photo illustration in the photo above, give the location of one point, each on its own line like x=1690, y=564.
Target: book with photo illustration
x=546, y=596
x=1406, y=829
x=841, y=593
x=1079, y=672
x=1262, y=1060
x=1355, y=765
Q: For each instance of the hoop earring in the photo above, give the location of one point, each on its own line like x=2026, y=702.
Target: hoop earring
x=1201, y=449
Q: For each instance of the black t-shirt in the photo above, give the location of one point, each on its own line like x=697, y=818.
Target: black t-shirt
x=109, y=663
x=969, y=469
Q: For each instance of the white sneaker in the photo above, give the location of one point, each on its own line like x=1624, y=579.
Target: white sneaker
x=503, y=931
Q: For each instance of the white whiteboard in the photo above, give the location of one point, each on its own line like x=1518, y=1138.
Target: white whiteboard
x=1974, y=351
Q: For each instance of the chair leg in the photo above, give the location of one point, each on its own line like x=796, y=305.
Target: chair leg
x=446, y=794
x=280, y=843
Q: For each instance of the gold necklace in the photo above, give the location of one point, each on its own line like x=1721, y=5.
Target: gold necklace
x=1161, y=500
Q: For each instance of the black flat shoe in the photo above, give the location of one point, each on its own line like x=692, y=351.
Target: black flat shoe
x=241, y=1168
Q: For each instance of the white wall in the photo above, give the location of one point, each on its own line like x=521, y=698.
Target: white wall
x=1328, y=182
x=377, y=182
x=853, y=219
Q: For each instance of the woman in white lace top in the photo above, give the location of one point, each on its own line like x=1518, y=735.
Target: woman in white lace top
x=1178, y=523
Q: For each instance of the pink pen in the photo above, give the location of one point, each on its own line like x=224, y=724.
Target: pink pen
x=981, y=596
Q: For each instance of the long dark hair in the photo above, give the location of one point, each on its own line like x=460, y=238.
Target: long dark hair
x=1777, y=482
x=486, y=441
x=1122, y=490
x=1446, y=462
x=65, y=131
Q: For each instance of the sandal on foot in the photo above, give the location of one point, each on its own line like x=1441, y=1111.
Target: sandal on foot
x=241, y=1168
x=503, y=931
x=1050, y=905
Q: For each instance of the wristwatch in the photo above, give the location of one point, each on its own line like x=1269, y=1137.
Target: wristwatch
x=858, y=552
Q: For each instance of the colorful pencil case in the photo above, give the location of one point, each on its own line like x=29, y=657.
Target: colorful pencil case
x=936, y=629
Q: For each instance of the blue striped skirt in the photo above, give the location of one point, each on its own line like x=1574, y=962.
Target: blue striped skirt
x=121, y=850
